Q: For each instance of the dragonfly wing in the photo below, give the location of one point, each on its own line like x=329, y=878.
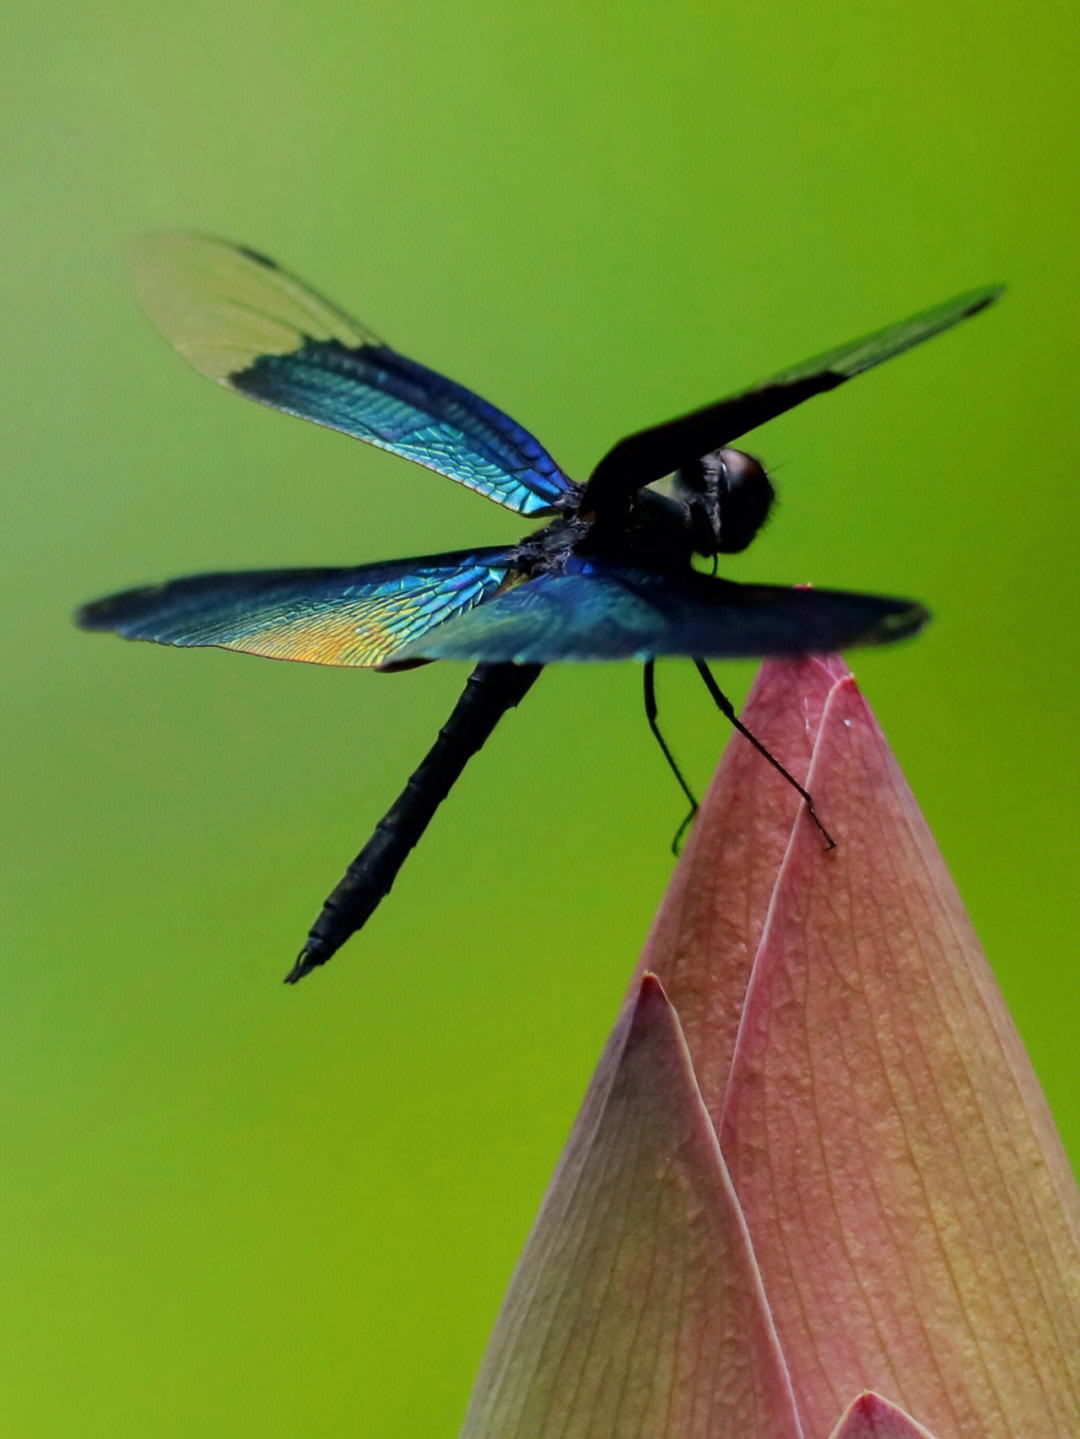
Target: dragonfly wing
x=649, y=455
x=245, y=323
x=604, y=612
x=356, y=616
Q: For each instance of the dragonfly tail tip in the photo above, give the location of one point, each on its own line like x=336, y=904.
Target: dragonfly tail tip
x=308, y=959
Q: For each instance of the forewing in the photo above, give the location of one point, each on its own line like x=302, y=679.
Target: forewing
x=647, y=456
x=357, y=616
x=245, y=323
x=604, y=612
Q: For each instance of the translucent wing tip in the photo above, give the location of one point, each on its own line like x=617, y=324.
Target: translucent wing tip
x=222, y=305
x=850, y=360
x=959, y=307
x=975, y=300
x=176, y=278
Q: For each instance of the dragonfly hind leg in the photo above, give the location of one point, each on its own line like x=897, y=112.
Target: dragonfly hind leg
x=727, y=709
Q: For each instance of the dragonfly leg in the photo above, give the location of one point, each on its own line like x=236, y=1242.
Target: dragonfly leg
x=726, y=708
x=650, y=715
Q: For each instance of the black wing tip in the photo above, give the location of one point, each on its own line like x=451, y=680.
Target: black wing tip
x=256, y=255
x=903, y=620
x=982, y=299
x=95, y=615
x=112, y=612
x=147, y=240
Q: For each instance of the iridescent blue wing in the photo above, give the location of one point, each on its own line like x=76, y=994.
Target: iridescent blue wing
x=246, y=324
x=607, y=612
x=649, y=455
x=330, y=616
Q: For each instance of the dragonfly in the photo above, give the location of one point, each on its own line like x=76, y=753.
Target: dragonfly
x=615, y=572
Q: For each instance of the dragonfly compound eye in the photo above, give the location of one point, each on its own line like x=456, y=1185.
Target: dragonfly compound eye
x=735, y=498
x=744, y=496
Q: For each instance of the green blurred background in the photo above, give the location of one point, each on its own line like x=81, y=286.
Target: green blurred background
x=234, y=1208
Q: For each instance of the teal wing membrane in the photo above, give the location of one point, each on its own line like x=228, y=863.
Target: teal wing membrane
x=607, y=612
x=359, y=616
x=246, y=324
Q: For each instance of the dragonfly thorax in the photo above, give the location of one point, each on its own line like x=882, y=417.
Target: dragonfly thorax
x=713, y=505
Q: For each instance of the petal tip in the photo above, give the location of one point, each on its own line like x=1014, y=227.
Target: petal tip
x=871, y=1417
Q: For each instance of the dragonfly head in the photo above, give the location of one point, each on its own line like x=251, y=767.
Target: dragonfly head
x=728, y=496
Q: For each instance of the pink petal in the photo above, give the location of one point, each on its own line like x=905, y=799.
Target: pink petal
x=871, y=1417
x=636, y=1307
x=706, y=932
x=913, y=1214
